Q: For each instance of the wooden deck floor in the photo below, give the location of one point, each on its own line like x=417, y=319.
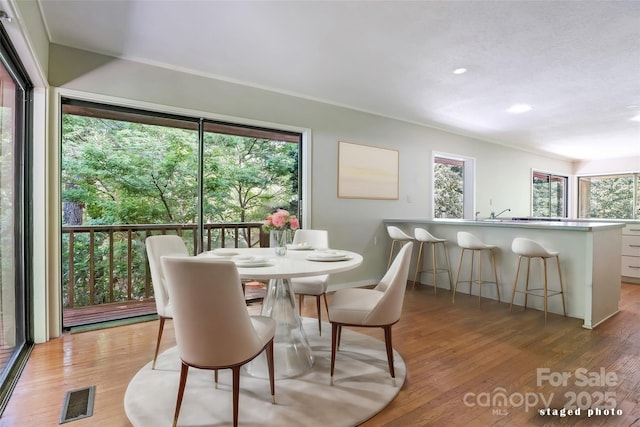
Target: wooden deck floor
x=72, y=317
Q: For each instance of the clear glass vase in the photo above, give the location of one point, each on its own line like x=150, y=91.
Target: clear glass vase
x=278, y=240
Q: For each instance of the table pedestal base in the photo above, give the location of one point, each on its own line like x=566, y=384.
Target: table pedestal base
x=291, y=351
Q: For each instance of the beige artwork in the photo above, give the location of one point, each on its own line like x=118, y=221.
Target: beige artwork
x=366, y=172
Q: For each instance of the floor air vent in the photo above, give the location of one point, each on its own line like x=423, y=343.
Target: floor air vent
x=77, y=404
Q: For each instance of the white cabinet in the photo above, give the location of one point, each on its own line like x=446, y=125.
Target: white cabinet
x=631, y=251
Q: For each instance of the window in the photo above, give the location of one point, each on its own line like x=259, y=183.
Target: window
x=609, y=196
x=549, y=195
x=452, y=187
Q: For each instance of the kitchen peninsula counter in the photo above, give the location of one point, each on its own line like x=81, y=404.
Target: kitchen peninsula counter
x=590, y=254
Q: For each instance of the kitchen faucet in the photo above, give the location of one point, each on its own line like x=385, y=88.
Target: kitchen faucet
x=494, y=215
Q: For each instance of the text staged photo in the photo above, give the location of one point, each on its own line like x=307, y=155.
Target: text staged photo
x=591, y=412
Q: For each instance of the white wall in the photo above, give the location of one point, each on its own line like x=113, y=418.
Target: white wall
x=503, y=174
x=607, y=166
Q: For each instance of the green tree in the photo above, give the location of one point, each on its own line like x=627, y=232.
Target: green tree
x=610, y=197
x=448, y=190
x=246, y=178
x=117, y=172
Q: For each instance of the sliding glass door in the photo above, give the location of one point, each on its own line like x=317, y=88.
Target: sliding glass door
x=128, y=173
x=15, y=335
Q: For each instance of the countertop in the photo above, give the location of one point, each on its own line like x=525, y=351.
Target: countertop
x=582, y=225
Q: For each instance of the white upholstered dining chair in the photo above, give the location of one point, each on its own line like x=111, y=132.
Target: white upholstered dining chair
x=315, y=285
x=378, y=307
x=157, y=247
x=212, y=325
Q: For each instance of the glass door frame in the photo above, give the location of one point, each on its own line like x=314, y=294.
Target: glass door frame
x=22, y=216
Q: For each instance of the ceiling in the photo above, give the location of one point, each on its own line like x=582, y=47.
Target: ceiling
x=577, y=63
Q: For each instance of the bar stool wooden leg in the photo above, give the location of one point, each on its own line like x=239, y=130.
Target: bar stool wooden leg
x=564, y=307
x=545, y=287
x=455, y=287
x=526, y=295
x=515, y=283
x=418, y=265
x=479, y=281
x=495, y=272
x=473, y=254
x=446, y=258
x=434, y=268
x=393, y=243
x=545, y=284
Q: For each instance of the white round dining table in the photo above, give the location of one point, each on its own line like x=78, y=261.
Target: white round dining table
x=292, y=353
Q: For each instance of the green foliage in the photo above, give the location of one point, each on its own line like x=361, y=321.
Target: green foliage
x=609, y=196
x=549, y=195
x=448, y=190
x=116, y=172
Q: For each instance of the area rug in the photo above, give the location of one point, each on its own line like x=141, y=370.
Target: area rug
x=362, y=388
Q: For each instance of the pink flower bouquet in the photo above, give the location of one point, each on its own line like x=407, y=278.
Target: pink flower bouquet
x=281, y=220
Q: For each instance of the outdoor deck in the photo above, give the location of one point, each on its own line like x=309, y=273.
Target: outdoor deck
x=72, y=317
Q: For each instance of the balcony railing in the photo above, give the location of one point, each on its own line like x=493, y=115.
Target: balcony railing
x=104, y=264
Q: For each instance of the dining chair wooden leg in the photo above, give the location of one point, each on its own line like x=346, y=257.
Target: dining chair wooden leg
x=319, y=315
x=160, y=329
x=334, y=344
x=388, y=343
x=184, y=370
x=269, y=350
x=236, y=393
x=300, y=302
x=215, y=377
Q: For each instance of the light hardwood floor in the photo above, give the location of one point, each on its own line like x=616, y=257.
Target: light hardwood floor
x=457, y=356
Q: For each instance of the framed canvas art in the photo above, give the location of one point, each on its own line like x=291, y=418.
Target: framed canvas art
x=366, y=172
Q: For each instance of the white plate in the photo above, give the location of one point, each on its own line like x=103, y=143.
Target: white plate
x=299, y=247
x=325, y=259
x=328, y=256
x=221, y=253
x=247, y=258
x=255, y=263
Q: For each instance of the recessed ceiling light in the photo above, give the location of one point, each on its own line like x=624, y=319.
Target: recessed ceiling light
x=635, y=118
x=519, y=108
x=459, y=71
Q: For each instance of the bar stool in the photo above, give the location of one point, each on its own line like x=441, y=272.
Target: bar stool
x=423, y=236
x=469, y=242
x=397, y=235
x=527, y=248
